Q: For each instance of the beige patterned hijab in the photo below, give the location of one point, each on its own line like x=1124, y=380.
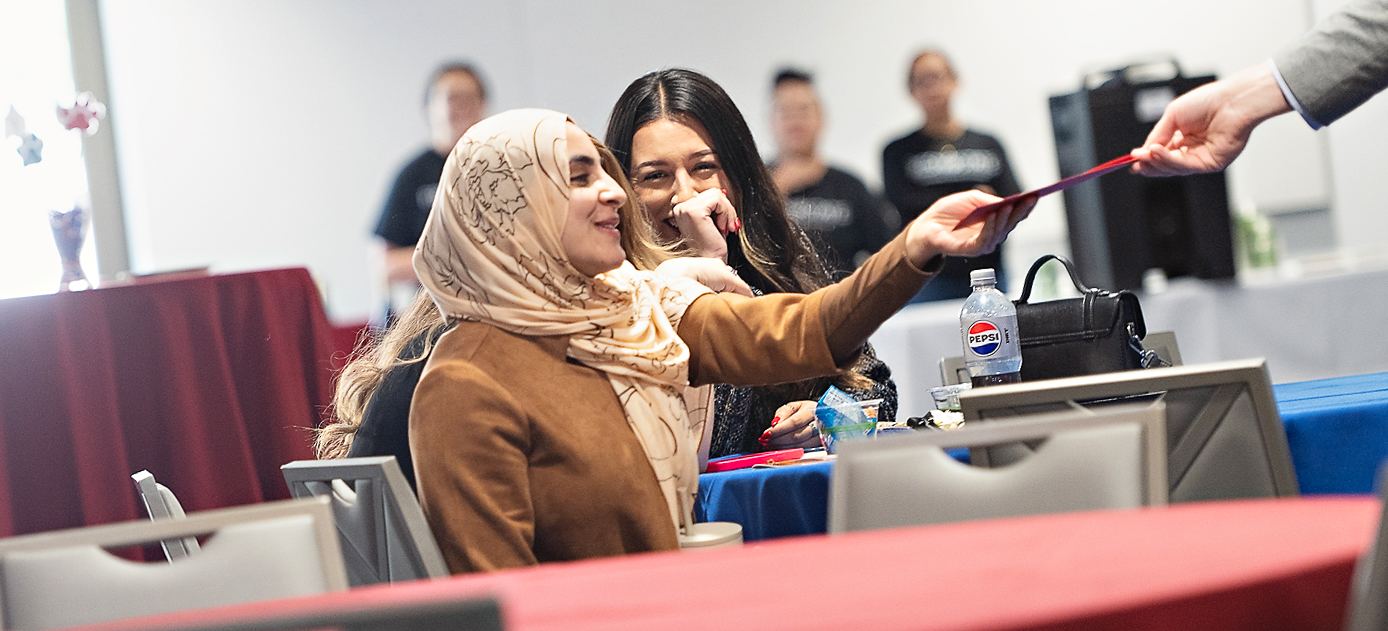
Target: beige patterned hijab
x=491, y=253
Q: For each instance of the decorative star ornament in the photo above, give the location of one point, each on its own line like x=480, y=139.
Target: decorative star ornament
x=31, y=149
x=14, y=124
x=84, y=114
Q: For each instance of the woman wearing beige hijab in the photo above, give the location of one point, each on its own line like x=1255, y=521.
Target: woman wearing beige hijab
x=550, y=423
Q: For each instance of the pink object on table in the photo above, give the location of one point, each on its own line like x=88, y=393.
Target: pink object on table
x=1265, y=565
x=751, y=460
x=1107, y=167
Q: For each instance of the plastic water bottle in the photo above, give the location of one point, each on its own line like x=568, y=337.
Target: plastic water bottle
x=988, y=326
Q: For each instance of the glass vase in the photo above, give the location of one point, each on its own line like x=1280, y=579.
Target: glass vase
x=69, y=231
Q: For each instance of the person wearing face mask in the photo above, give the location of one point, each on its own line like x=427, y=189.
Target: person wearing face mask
x=846, y=222
x=454, y=100
x=941, y=158
x=549, y=423
x=692, y=161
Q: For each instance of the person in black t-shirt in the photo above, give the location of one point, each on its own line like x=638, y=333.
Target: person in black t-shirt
x=454, y=100
x=940, y=159
x=846, y=222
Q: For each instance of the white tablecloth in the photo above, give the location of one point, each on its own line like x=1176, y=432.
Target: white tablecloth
x=1310, y=328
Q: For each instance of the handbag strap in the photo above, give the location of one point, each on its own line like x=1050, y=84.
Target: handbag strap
x=1031, y=276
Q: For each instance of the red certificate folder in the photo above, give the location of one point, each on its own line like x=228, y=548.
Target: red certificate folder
x=1108, y=167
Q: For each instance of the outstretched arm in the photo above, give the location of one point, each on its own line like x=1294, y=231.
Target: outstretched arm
x=1205, y=129
x=789, y=337
x=938, y=230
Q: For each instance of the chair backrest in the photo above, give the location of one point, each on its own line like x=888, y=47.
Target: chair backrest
x=1164, y=343
x=385, y=537
x=1368, y=594
x=953, y=371
x=472, y=613
x=256, y=552
x=160, y=503
x=1113, y=458
x=1224, y=434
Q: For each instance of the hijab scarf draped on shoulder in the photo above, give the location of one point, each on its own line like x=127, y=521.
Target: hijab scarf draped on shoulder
x=491, y=252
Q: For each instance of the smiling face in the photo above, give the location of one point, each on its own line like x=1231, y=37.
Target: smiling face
x=672, y=161
x=590, y=239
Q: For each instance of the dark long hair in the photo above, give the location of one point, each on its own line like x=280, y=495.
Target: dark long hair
x=770, y=253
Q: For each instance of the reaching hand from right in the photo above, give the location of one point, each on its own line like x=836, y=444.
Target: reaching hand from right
x=1205, y=129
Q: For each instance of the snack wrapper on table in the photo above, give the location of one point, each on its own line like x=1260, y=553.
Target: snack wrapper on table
x=841, y=417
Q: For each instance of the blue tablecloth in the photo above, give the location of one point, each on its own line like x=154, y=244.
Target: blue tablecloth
x=1337, y=430
x=775, y=502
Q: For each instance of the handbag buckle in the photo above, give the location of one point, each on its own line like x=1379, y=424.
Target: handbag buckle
x=1147, y=357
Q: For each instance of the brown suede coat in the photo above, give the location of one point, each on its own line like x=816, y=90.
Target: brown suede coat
x=522, y=456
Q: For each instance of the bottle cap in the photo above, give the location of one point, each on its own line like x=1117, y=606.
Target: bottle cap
x=983, y=276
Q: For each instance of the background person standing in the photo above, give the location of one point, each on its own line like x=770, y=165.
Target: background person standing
x=940, y=159
x=454, y=100
x=846, y=222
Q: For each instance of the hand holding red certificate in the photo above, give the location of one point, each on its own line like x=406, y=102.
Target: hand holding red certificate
x=981, y=212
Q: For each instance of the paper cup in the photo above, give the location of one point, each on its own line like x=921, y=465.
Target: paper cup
x=711, y=534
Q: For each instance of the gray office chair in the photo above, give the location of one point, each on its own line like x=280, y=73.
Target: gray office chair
x=384, y=535
x=1368, y=594
x=1224, y=435
x=257, y=552
x=160, y=503
x=1111, y=458
x=472, y=613
x=953, y=371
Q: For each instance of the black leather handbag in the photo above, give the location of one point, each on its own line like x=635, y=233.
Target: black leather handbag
x=1101, y=331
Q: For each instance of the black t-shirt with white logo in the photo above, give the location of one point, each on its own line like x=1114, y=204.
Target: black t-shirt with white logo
x=846, y=222
x=917, y=170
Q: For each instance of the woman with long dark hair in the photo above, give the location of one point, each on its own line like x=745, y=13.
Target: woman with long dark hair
x=691, y=159
x=550, y=423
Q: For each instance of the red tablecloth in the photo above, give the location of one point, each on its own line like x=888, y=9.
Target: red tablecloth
x=1255, y=565
x=209, y=382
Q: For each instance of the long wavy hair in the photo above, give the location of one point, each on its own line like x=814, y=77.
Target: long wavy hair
x=769, y=252
x=411, y=338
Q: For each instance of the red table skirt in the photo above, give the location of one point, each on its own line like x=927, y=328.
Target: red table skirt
x=1257, y=565
x=210, y=383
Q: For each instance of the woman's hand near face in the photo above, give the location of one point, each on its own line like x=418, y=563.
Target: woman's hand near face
x=938, y=230
x=704, y=222
x=709, y=272
x=793, y=426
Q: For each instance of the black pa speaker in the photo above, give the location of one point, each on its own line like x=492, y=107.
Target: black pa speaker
x=1121, y=224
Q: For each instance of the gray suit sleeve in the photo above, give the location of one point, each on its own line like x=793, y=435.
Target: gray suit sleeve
x=1341, y=63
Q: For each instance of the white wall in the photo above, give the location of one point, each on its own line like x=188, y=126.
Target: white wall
x=265, y=133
